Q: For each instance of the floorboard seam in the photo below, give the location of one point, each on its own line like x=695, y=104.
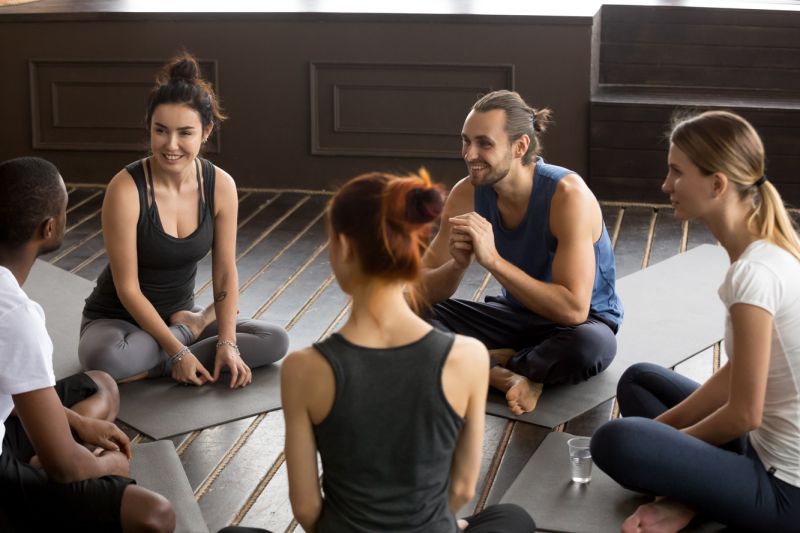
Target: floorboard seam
x=84, y=219
x=68, y=250
x=286, y=284
x=311, y=301
x=252, y=279
x=257, y=210
x=251, y=500
x=648, y=245
x=617, y=227
x=494, y=466
x=229, y=455
x=84, y=201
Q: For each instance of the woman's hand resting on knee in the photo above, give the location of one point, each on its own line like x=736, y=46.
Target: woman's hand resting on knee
x=190, y=370
x=228, y=356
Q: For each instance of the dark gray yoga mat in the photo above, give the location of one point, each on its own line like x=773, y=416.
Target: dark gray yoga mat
x=545, y=490
x=156, y=466
x=61, y=295
x=163, y=408
x=672, y=312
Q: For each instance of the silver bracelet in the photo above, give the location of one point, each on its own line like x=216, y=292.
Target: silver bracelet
x=232, y=344
x=177, y=356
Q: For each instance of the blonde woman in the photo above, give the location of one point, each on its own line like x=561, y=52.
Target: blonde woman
x=729, y=449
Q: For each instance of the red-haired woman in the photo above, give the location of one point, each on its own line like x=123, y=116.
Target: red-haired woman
x=394, y=407
x=161, y=215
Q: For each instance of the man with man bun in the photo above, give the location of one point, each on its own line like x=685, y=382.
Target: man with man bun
x=538, y=229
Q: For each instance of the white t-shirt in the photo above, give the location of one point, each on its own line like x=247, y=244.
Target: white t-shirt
x=768, y=276
x=26, y=351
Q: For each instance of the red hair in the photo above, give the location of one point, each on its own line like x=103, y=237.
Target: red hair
x=387, y=219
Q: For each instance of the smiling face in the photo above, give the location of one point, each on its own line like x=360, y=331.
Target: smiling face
x=176, y=135
x=690, y=191
x=485, y=147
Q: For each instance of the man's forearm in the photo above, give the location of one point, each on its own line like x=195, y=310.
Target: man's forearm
x=548, y=300
x=438, y=284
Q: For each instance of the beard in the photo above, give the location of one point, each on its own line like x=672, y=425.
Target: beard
x=492, y=175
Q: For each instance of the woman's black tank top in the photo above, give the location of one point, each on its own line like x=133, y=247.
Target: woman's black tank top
x=167, y=265
x=387, y=444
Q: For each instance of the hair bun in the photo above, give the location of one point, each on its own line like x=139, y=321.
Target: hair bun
x=424, y=204
x=184, y=69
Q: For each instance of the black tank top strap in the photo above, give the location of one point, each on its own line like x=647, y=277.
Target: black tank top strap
x=209, y=175
x=136, y=170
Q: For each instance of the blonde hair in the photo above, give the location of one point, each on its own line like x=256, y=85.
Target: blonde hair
x=721, y=141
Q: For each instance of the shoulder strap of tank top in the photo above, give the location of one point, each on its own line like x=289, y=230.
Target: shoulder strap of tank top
x=441, y=342
x=150, y=183
x=136, y=170
x=209, y=176
x=328, y=347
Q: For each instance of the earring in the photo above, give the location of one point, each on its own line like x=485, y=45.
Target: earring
x=204, y=140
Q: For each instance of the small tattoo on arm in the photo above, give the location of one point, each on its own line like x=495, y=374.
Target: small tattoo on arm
x=220, y=296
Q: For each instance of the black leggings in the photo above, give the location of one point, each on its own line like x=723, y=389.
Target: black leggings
x=728, y=484
x=546, y=352
x=500, y=518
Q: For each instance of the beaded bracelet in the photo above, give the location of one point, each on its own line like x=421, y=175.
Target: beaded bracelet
x=232, y=344
x=177, y=356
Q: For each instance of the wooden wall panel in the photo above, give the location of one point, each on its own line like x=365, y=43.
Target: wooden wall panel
x=751, y=53
x=628, y=155
x=89, y=105
x=400, y=110
x=263, y=64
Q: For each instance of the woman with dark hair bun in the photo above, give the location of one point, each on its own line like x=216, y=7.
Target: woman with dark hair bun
x=161, y=215
x=394, y=407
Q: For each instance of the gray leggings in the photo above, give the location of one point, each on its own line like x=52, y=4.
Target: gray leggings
x=124, y=349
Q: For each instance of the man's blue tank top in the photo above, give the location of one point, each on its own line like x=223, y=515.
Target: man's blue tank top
x=531, y=247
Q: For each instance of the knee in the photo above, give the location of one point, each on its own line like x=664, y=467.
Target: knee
x=614, y=444
x=633, y=377
x=517, y=518
x=594, y=348
x=157, y=516
x=108, y=392
x=281, y=341
x=95, y=356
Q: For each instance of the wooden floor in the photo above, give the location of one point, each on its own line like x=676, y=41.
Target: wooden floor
x=237, y=470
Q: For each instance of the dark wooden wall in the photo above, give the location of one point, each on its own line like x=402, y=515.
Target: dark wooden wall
x=315, y=98
x=655, y=61
x=312, y=98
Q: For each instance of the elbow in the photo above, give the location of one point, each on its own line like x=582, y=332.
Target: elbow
x=573, y=317
x=745, y=420
x=66, y=472
x=306, y=512
x=751, y=421
x=461, y=493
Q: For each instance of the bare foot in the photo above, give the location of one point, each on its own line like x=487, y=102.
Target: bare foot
x=662, y=516
x=522, y=394
x=196, y=322
x=502, y=355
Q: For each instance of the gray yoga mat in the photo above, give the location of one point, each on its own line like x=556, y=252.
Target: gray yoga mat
x=61, y=295
x=156, y=466
x=545, y=490
x=163, y=408
x=672, y=312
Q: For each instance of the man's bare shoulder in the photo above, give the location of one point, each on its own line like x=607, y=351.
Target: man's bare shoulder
x=461, y=198
x=573, y=192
